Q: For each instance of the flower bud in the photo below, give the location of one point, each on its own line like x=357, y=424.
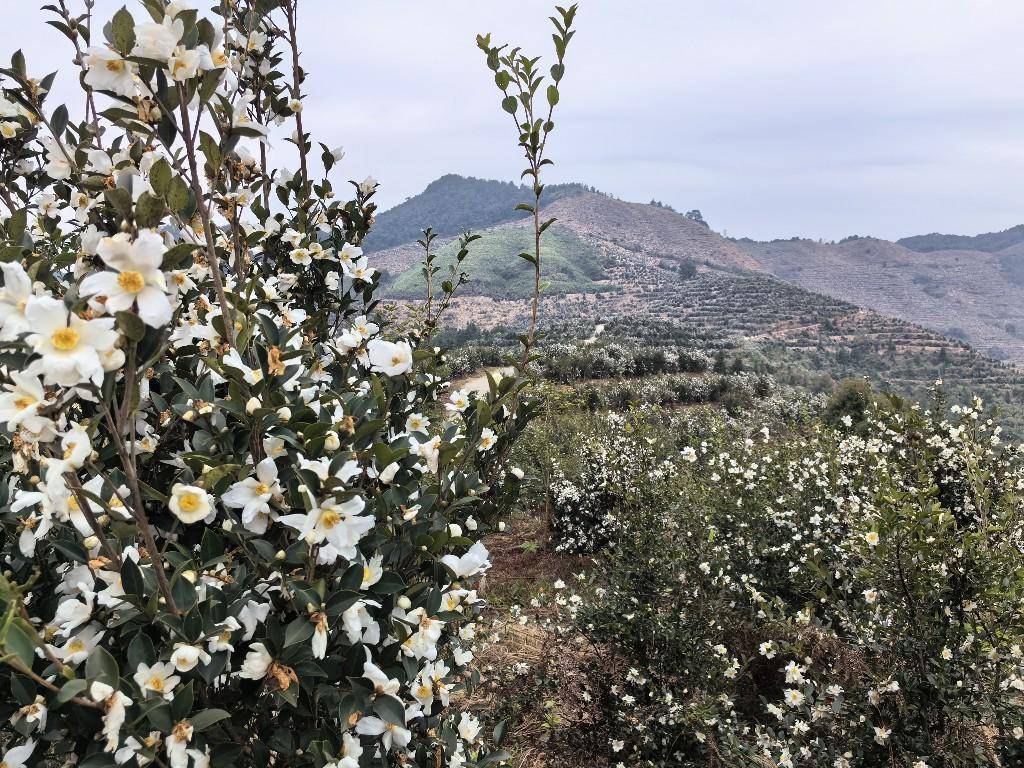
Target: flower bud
x=404, y=603
x=252, y=405
x=501, y=525
x=91, y=542
x=284, y=413
x=280, y=555
x=455, y=530
x=332, y=442
x=189, y=415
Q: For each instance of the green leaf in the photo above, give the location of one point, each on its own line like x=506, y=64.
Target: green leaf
x=390, y=583
x=177, y=195
x=552, y=95
x=390, y=709
x=509, y=104
x=140, y=650
x=131, y=578
x=122, y=32
x=203, y=720
x=59, y=120
x=149, y=210
x=18, y=63
x=211, y=150
x=68, y=691
x=131, y=325
x=100, y=665
x=298, y=631
x=184, y=593
x=21, y=640
x=16, y=225
x=121, y=199
x=500, y=730
x=160, y=176
x=176, y=255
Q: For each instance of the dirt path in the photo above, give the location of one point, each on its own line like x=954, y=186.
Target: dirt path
x=478, y=382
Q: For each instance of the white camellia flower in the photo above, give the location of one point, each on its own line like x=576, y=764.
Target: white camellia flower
x=186, y=657
x=114, y=705
x=58, y=164
x=158, y=678
x=351, y=751
x=487, y=439
x=78, y=647
x=108, y=71
x=137, y=278
x=337, y=524
x=17, y=757
x=69, y=347
x=257, y=662
x=391, y=734
x=189, y=503
x=184, y=63
x=14, y=298
x=253, y=496
x=21, y=401
x=476, y=560
x=157, y=41
x=389, y=358
x=469, y=727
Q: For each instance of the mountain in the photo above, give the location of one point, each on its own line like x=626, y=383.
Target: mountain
x=972, y=295
x=989, y=242
x=815, y=312
x=452, y=204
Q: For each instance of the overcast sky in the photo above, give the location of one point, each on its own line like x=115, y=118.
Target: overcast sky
x=792, y=117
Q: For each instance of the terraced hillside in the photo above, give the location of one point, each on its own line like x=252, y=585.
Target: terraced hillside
x=973, y=295
x=812, y=313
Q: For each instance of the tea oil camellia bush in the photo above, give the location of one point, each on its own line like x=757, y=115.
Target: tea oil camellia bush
x=794, y=594
x=240, y=514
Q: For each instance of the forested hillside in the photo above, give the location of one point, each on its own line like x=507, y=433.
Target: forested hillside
x=452, y=204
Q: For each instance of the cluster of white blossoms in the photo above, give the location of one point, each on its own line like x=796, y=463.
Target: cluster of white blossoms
x=238, y=527
x=806, y=596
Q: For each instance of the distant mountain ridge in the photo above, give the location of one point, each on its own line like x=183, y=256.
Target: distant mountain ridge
x=453, y=204
x=973, y=292
x=990, y=242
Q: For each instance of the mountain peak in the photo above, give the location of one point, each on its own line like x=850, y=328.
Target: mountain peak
x=452, y=204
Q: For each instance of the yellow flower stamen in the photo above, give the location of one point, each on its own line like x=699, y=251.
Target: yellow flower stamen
x=65, y=339
x=131, y=281
x=188, y=502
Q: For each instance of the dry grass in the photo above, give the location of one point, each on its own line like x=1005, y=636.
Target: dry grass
x=543, y=681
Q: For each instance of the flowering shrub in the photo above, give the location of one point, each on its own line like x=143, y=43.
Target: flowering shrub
x=613, y=467
x=796, y=595
x=239, y=527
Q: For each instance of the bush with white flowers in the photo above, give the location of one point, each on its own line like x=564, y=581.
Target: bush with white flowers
x=793, y=595
x=239, y=515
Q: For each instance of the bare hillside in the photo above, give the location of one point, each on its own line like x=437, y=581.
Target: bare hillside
x=965, y=294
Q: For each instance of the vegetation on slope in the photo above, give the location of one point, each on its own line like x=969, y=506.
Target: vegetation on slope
x=990, y=242
x=571, y=265
x=453, y=204
x=790, y=586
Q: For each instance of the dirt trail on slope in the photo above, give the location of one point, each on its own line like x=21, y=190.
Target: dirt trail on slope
x=478, y=382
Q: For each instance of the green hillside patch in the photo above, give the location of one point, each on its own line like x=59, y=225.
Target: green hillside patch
x=570, y=265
